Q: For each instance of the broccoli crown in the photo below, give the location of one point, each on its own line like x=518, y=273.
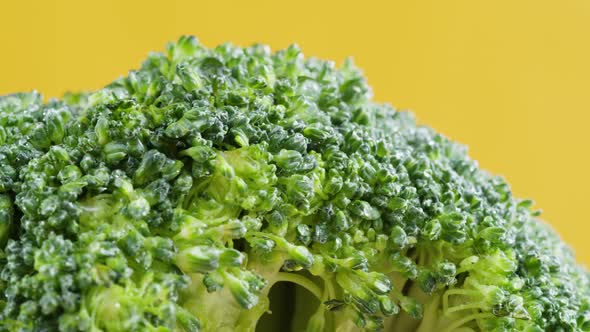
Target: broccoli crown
x=175, y=198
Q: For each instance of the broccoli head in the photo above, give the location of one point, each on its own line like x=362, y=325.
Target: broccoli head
x=213, y=189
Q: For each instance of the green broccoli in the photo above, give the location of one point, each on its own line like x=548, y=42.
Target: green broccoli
x=232, y=189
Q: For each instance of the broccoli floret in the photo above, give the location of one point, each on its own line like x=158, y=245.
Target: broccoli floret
x=176, y=198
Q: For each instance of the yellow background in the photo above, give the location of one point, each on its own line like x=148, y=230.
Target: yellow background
x=510, y=78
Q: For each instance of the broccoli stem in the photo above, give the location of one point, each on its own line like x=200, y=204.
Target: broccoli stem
x=431, y=315
x=301, y=281
x=220, y=306
x=438, y=316
x=458, y=323
x=248, y=319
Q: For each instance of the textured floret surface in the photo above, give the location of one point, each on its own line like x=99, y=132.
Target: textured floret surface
x=176, y=198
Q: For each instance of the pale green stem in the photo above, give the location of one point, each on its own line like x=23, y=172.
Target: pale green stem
x=454, y=292
x=301, y=281
x=457, y=324
x=464, y=307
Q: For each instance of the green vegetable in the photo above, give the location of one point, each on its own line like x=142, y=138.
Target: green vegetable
x=193, y=194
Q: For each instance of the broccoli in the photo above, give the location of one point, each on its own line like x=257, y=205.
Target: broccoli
x=218, y=189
